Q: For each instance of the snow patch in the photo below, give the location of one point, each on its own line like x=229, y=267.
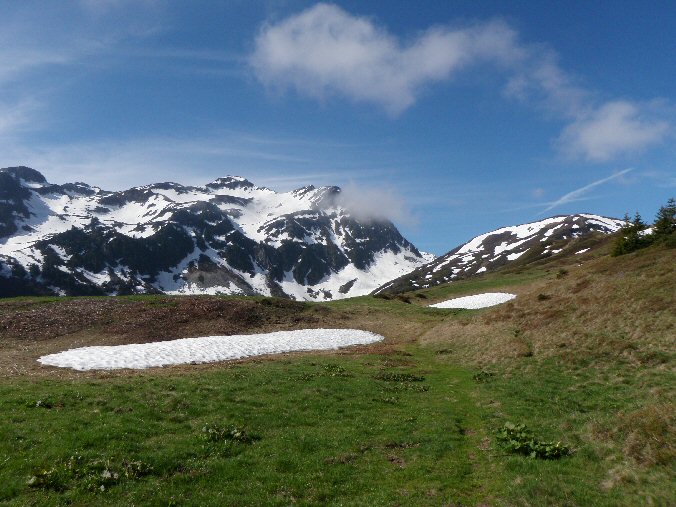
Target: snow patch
x=477, y=301
x=206, y=349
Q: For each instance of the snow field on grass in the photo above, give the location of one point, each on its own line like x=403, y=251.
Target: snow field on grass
x=206, y=349
x=477, y=301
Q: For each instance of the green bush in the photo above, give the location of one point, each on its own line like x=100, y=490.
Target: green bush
x=517, y=438
x=230, y=434
x=90, y=474
x=483, y=376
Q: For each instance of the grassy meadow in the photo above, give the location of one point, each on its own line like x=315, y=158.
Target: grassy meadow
x=583, y=356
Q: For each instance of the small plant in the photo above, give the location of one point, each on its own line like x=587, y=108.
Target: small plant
x=406, y=386
x=399, y=377
x=334, y=370
x=517, y=438
x=45, y=402
x=561, y=273
x=384, y=296
x=93, y=475
x=544, y=297
x=392, y=400
x=230, y=434
x=53, y=478
x=483, y=376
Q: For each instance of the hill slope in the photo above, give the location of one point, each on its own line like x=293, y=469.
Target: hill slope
x=520, y=244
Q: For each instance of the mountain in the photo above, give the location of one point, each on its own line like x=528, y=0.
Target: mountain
x=523, y=244
x=229, y=237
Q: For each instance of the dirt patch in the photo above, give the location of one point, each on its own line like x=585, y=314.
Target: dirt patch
x=32, y=328
x=36, y=327
x=147, y=320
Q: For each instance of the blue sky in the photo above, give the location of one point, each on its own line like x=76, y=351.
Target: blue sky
x=452, y=118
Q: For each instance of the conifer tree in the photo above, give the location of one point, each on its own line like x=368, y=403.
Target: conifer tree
x=665, y=221
x=631, y=236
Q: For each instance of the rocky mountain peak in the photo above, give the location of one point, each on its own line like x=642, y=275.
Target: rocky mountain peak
x=228, y=237
x=230, y=182
x=24, y=173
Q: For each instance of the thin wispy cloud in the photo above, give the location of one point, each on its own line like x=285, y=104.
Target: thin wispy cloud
x=325, y=51
x=116, y=164
x=17, y=117
x=579, y=193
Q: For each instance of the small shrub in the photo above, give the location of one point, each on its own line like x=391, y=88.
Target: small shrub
x=41, y=403
x=544, y=297
x=53, y=478
x=399, y=377
x=384, y=296
x=406, y=386
x=334, y=370
x=94, y=475
x=230, y=434
x=483, y=376
x=517, y=438
x=561, y=273
x=391, y=400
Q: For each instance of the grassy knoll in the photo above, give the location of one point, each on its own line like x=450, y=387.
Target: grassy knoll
x=583, y=355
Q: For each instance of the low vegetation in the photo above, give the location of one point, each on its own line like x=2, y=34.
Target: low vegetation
x=634, y=235
x=566, y=399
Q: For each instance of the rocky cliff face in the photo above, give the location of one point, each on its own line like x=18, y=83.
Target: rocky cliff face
x=228, y=237
x=520, y=243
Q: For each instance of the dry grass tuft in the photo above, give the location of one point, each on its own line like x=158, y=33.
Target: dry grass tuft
x=649, y=434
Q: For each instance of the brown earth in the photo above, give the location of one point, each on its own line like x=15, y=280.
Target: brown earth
x=33, y=327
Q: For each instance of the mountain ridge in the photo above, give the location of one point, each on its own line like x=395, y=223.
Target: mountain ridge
x=228, y=236
x=524, y=243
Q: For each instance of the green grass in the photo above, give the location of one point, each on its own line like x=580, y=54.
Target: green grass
x=329, y=431
x=345, y=430
x=487, y=282
x=581, y=404
x=413, y=423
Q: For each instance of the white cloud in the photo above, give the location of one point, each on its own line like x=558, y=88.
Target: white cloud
x=325, y=50
x=371, y=203
x=613, y=128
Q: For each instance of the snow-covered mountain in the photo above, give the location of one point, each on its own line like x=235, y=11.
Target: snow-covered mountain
x=528, y=243
x=229, y=237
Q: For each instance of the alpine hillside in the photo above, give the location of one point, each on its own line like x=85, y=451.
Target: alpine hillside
x=229, y=236
x=526, y=243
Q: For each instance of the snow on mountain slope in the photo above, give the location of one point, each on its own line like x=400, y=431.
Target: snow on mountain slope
x=528, y=242
x=229, y=237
